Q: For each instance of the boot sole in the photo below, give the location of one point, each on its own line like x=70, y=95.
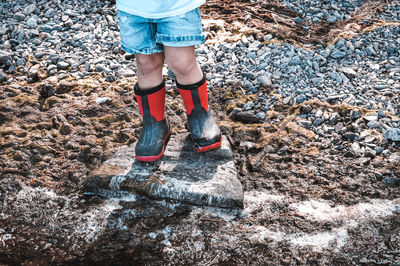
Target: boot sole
x=155, y=157
x=209, y=147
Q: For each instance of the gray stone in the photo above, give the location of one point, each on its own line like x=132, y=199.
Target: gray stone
x=71, y=13
x=318, y=121
x=261, y=115
x=29, y=9
x=305, y=123
x=295, y=61
x=248, y=106
x=391, y=181
x=32, y=22
x=337, y=54
x=370, y=153
x=182, y=174
x=305, y=109
x=5, y=58
x=265, y=81
x=392, y=134
x=335, y=76
x=282, y=150
x=249, y=75
x=331, y=19
x=394, y=158
x=20, y=62
x=62, y=65
x=371, y=117
x=245, y=117
x=49, y=12
x=19, y=16
x=351, y=136
x=316, y=81
x=247, y=84
x=373, y=124
x=2, y=77
x=46, y=91
x=381, y=114
x=370, y=51
x=298, y=20
x=267, y=37
x=3, y=31
x=99, y=68
x=125, y=73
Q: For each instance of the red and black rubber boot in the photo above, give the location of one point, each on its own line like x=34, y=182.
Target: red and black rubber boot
x=156, y=128
x=203, y=128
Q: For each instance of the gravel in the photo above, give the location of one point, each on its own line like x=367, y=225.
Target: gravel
x=67, y=39
x=327, y=10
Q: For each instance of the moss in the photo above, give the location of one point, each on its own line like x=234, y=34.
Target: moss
x=107, y=119
x=23, y=99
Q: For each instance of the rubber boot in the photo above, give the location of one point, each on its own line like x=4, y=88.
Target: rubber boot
x=203, y=128
x=156, y=128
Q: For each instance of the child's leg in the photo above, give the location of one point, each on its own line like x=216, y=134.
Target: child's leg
x=150, y=95
x=192, y=86
x=149, y=70
x=183, y=62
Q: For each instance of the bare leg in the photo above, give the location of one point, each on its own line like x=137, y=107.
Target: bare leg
x=149, y=70
x=182, y=61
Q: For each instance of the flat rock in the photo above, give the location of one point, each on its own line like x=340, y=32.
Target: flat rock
x=183, y=174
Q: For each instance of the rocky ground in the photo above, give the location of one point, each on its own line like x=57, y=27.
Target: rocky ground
x=306, y=91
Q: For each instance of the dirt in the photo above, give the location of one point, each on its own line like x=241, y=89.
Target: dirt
x=312, y=204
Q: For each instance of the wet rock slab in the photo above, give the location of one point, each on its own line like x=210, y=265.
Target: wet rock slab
x=183, y=174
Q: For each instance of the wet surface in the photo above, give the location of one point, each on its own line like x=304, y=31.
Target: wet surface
x=182, y=174
x=305, y=201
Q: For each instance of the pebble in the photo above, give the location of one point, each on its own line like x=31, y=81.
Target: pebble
x=5, y=58
x=282, y=150
x=305, y=123
x=245, y=117
x=29, y=9
x=337, y=54
x=62, y=65
x=19, y=16
x=265, y=81
x=46, y=91
x=248, y=106
x=391, y=181
x=349, y=72
x=2, y=77
x=103, y=100
x=351, y=136
x=31, y=22
x=392, y=134
x=394, y=158
x=125, y=73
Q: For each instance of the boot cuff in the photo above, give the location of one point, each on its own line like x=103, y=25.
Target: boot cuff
x=141, y=92
x=191, y=86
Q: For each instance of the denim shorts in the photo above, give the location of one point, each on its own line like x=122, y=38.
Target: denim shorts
x=148, y=36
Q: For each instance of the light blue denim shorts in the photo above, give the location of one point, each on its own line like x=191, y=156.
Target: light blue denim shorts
x=148, y=36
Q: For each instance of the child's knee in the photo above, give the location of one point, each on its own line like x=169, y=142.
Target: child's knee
x=182, y=65
x=149, y=63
